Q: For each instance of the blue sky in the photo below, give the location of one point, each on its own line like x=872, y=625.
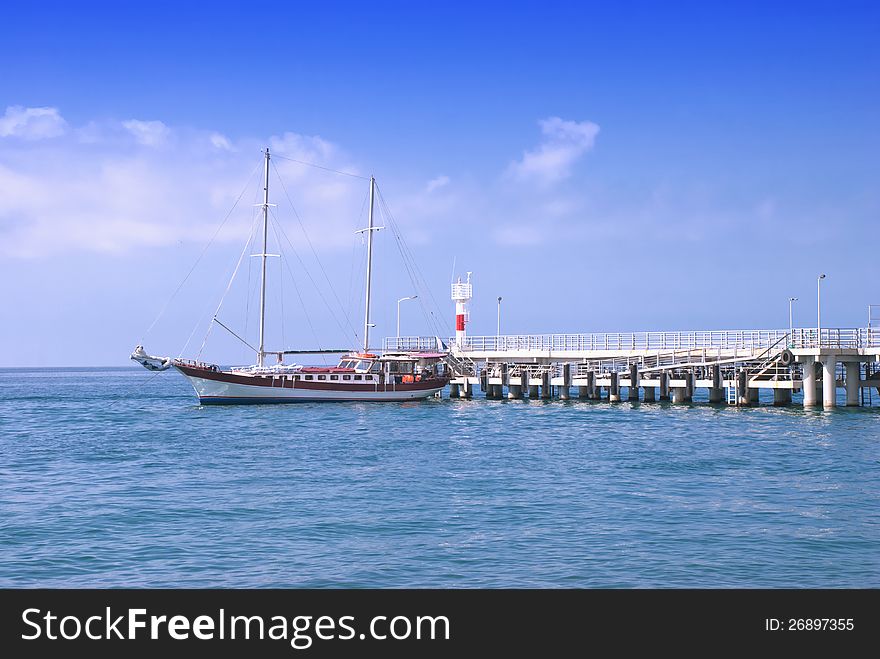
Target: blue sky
x=609, y=166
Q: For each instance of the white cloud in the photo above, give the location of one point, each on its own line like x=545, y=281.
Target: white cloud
x=220, y=141
x=31, y=123
x=93, y=190
x=437, y=183
x=564, y=142
x=148, y=133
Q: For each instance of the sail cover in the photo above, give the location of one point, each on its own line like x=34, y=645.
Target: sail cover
x=150, y=362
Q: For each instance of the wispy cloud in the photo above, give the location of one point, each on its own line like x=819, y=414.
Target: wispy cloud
x=563, y=143
x=148, y=133
x=31, y=123
x=105, y=187
x=220, y=141
x=437, y=183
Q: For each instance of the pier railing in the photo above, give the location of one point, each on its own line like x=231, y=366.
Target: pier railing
x=711, y=341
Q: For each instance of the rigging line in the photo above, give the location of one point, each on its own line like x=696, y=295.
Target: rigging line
x=226, y=292
x=204, y=249
x=314, y=251
x=303, y=305
x=417, y=274
x=221, y=324
x=281, y=278
x=417, y=277
x=317, y=259
x=247, y=300
x=207, y=312
x=326, y=169
x=308, y=274
x=354, y=245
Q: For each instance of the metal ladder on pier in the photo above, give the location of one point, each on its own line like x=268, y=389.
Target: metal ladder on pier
x=731, y=394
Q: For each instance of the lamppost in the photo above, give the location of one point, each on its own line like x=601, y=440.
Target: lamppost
x=819, y=310
x=410, y=297
x=498, y=330
x=791, y=301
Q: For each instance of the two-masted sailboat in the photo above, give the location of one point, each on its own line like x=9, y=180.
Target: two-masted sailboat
x=359, y=376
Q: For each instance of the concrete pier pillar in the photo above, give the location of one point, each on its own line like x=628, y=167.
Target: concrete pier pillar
x=809, y=382
x=754, y=397
x=514, y=392
x=649, y=394
x=689, y=378
x=781, y=397
x=853, y=384
x=633, y=394
x=467, y=390
x=497, y=391
x=679, y=394
x=453, y=390
x=716, y=391
x=533, y=391
x=564, y=393
x=614, y=389
x=742, y=389
x=829, y=382
x=592, y=388
x=583, y=393
x=664, y=385
x=545, y=386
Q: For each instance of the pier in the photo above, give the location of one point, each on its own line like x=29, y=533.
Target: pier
x=732, y=365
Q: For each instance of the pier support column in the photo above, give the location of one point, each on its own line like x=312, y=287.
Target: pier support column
x=829, y=382
x=453, y=390
x=498, y=391
x=690, y=378
x=565, y=389
x=742, y=389
x=533, y=391
x=809, y=382
x=664, y=385
x=679, y=394
x=614, y=389
x=853, y=384
x=649, y=394
x=781, y=397
x=583, y=393
x=593, y=389
x=754, y=397
x=467, y=389
x=716, y=391
x=546, y=387
x=633, y=393
x=514, y=392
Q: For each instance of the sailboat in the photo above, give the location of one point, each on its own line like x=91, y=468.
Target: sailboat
x=361, y=375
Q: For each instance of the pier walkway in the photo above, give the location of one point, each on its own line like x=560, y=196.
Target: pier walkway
x=733, y=365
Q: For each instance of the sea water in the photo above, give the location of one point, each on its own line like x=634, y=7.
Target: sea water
x=117, y=477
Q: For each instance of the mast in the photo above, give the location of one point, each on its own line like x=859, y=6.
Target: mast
x=369, y=268
x=260, y=352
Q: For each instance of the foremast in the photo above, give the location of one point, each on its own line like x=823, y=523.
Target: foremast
x=261, y=350
x=369, y=230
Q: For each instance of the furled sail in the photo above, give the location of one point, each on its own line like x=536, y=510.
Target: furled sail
x=150, y=362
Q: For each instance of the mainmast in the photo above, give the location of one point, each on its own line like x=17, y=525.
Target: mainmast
x=369, y=267
x=264, y=255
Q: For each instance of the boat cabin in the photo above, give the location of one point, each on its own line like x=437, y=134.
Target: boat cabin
x=399, y=367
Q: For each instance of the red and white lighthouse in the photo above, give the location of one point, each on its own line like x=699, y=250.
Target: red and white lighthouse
x=462, y=292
